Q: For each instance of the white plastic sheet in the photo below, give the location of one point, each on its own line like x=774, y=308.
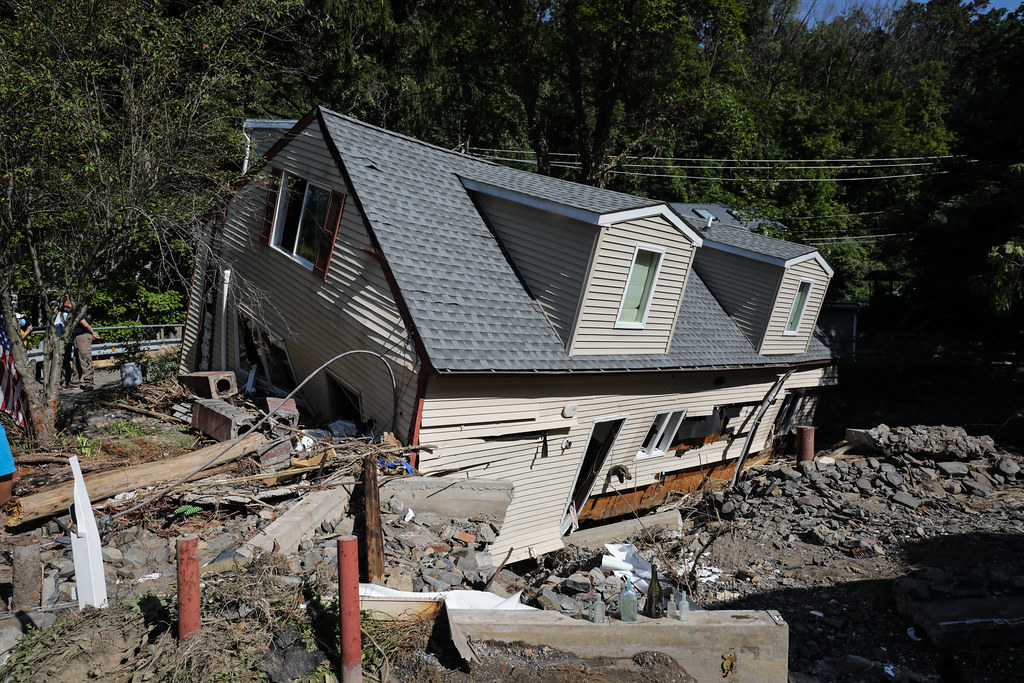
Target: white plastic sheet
x=452, y=599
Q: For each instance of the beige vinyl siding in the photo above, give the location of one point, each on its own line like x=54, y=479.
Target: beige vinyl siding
x=190, y=335
x=352, y=309
x=775, y=341
x=596, y=331
x=542, y=485
x=744, y=287
x=551, y=252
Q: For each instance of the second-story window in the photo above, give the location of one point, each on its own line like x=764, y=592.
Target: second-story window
x=300, y=217
x=796, y=313
x=643, y=274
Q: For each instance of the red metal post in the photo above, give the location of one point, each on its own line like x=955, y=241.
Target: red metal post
x=188, y=588
x=348, y=610
x=804, y=443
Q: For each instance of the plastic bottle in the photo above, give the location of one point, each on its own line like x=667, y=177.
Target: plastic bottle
x=627, y=601
x=597, y=610
x=654, y=606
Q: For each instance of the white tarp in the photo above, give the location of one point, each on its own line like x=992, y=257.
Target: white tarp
x=455, y=599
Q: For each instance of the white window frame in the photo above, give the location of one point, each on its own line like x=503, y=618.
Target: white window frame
x=282, y=197
x=660, y=251
x=669, y=425
x=799, y=321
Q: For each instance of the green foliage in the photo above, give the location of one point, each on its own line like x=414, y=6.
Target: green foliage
x=128, y=428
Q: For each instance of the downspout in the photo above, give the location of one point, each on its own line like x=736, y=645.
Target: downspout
x=769, y=398
x=223, y=316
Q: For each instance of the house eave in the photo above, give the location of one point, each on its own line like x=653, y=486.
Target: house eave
x=773, y=260
x=584, y=215
x=635, y=371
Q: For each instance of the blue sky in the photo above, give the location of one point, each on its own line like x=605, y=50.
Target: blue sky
x=1005, y=4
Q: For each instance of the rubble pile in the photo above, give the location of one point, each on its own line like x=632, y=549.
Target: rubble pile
x=941, y=442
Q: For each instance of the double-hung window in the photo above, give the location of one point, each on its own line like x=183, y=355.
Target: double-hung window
x=796, y=313
x=640, y=283
x=661, y=435
x=301, y=217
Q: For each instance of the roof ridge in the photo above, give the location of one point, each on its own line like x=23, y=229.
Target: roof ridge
x=407, y=138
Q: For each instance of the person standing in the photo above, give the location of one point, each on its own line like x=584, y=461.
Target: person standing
x=83, y=335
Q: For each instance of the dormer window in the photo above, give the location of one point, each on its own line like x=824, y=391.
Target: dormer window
x=643, y=275
x=796, y=314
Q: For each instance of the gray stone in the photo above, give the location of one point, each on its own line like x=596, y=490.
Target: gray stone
x=399, y=581
x=904, y=498
x=976, y=487
x=952, y=487
x=953, y=469
x=112, y=555
x=864, y=484
x=822, y=535
x=9, y=637
x=894, y=479
x=485, y=533
x=577, y=583
x=548, y=599
x=1008, y=467
x=814, y=501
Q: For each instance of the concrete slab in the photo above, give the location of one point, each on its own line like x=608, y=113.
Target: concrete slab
x=618, y=532
x=450, y=497
x=302, y=521
x=758, y=639
x=970, y=622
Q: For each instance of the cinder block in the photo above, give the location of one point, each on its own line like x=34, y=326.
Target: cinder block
x=219, y=419
x=287, y=413
x=212, y=384
x=277, y=455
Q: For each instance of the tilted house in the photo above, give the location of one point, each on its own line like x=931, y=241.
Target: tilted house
x=589, y=346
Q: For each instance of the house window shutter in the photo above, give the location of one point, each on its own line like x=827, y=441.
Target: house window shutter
x=329, y=233
x=273, y=189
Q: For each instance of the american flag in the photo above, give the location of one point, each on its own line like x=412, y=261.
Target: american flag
x=11, y=389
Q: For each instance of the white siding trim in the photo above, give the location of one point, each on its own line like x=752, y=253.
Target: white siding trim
x=650, y=212
x=786, y=332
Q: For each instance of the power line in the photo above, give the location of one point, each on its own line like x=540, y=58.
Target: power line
x=699, y=159
x=834, y=215
x=720, y=179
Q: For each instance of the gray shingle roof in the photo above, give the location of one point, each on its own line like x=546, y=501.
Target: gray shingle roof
x=469, y=307
x=732, y=231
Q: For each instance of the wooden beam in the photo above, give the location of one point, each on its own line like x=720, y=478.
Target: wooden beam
x=103, y=485
x=374, y=529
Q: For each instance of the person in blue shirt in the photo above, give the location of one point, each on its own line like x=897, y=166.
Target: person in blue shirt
x=7, y=468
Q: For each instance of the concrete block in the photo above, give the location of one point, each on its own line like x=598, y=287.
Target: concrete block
x=276, y=454
x=211, y=384
x=301, y=522
x=449, y=497
x=287, y=412
x=758, y=639
x=220, y=420
x=618, y=532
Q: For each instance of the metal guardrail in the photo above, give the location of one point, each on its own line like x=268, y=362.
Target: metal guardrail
x=165, y=336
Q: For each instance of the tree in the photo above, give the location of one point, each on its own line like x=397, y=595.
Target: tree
x=121, y=131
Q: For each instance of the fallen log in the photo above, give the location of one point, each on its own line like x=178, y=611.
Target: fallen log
x=103, y=485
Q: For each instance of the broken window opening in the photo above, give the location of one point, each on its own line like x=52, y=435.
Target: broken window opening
x=346, y=403
x=720, y=425
x=660, y=436
x=267, y=352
